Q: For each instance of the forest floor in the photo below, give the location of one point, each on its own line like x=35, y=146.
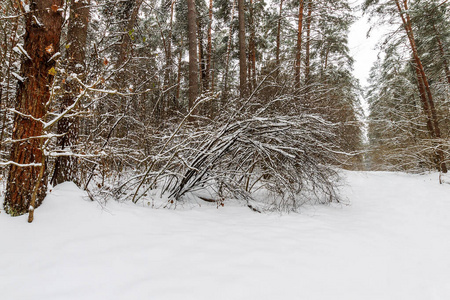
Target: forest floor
x=390, y=241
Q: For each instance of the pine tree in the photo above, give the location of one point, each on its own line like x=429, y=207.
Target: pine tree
x=41, y=42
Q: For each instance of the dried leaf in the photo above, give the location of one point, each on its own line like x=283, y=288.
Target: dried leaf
x=50, y=49
x=55, y=8
x=52, y=71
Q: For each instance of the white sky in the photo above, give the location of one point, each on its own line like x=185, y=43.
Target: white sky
x=363, y=48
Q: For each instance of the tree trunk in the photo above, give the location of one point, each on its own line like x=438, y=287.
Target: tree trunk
x=252, y=50
x=130, y=15
x=279, y=35
x=242, y=53
x=308, y=43
x=193, y=62
x=227, y=60
x=299, y=44
x=41, y=42
x=66, y=167
x=201, y=56
x=168, y=72
x=209, y=55
x=180, y=60
x=423, y=85
x=442, y=52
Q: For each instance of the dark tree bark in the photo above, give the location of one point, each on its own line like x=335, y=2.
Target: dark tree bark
x=299, y=44
x=242, y=53
x=201, y=55
x=41, y=42
x=193, y=61
x=66, y=167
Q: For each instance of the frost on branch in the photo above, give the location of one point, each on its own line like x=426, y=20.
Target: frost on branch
x=246, y=152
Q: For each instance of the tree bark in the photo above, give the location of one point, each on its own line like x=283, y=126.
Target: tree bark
x=130, y=15
x=299, y=44
x=41, y=42
x=66, y=167
x=193, y=61
x=227, y=60
x=252, y=50
x=423, y=85
x=209, y=55
x=242, y=51
x=201, y=56
x=279, y=35
x=442, y=52
x=308, y=43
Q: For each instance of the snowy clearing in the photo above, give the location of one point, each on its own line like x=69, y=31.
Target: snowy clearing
x=392, y=242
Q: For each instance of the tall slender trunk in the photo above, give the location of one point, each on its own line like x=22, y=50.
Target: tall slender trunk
x=193, y=61
x=279, y=35
x=41, y=42
x=180, y=59
x=424, y=87
x=299, y=44
x=209, y=54
x=252, y=49
x=201, y=56
x=66, y=167
x=168, y=71
x=308, y=43
x=131, y=17
x=442, y=52
x=242, y=51
x=227, y=60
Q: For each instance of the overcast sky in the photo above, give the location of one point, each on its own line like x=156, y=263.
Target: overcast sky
x=362, y=48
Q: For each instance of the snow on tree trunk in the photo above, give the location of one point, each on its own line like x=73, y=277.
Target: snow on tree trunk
x=41, y=42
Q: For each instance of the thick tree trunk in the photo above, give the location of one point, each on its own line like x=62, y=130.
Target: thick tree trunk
x=66, y=167
x=423, y=85
x=41, y=42
x=193, y=61
x=299, y=44
x=242, y=51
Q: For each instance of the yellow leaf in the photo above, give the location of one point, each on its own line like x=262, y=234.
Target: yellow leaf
x=52, y=71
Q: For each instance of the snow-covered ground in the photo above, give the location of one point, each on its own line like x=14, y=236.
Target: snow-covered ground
x=392, y=242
